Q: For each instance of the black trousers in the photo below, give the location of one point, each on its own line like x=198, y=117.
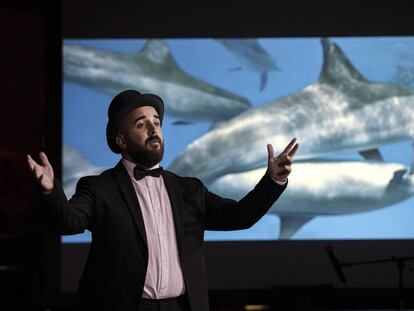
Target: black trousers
x=169, y=304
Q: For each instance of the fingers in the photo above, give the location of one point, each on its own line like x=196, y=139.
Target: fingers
x=270, y=151
x=290, y=149
x=289, y=146
x=43, y=173
x=280, y=167
x=38, y=172
x=44, y=159
x=31, y=162
x=294, y=149
x=35, y=168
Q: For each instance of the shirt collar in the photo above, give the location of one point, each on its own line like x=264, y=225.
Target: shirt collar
x=129, y=166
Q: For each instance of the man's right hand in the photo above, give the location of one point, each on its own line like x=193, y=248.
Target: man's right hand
x=43, y=173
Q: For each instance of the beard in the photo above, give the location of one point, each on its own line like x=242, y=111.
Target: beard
x=146, y=156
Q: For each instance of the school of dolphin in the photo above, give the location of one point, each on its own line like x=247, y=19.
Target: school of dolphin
x=341, y=111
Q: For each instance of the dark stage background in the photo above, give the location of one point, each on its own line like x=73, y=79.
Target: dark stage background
x=31, y=265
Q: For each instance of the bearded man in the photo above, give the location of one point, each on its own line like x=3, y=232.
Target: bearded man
x=148, y=223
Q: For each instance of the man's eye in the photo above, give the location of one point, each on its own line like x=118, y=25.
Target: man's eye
x=157, y=124
x=140, y=125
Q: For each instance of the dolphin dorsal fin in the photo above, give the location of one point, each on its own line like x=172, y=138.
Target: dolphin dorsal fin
x=336, y=66
x=371, y=154
x=290, y=225
x=397, y=178
x=158, y=52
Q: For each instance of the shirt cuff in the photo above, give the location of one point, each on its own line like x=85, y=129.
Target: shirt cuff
x=280, y=183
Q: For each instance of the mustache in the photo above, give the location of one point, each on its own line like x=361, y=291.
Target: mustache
x=153, y=139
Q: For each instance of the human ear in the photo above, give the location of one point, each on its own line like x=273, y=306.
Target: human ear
x=121, y=142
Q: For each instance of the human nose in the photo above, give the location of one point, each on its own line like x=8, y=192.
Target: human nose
x=150, y=128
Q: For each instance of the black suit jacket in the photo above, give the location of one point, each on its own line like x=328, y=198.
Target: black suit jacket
x=114, y=275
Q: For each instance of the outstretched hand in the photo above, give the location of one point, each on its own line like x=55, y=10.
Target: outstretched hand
x=43, y=172
x=280, y=167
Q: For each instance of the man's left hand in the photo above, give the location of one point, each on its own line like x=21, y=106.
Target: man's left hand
x=280, y=167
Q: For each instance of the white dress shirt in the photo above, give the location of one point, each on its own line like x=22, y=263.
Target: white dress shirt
x=164, y=278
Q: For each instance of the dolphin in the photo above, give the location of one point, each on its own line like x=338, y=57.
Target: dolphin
x=404, y=76
x=75, y=166
x=154, y=70
x=341, y=111
x=252, y=56
x=326, y=188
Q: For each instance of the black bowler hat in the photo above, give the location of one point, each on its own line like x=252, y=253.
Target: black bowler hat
x=121, y=105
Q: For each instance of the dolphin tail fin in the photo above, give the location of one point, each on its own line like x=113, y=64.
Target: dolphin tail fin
x=263, y=81
x=372, y=154
x=290, y=225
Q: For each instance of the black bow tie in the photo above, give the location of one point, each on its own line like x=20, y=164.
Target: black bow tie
x=140, y=173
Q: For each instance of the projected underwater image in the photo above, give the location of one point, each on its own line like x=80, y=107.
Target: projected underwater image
x=349, y=101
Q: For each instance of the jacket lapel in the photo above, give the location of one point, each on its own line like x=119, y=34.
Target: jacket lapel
x=127, y=189
x=175, y=194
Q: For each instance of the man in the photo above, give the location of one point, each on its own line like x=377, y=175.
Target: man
x=147, y=223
